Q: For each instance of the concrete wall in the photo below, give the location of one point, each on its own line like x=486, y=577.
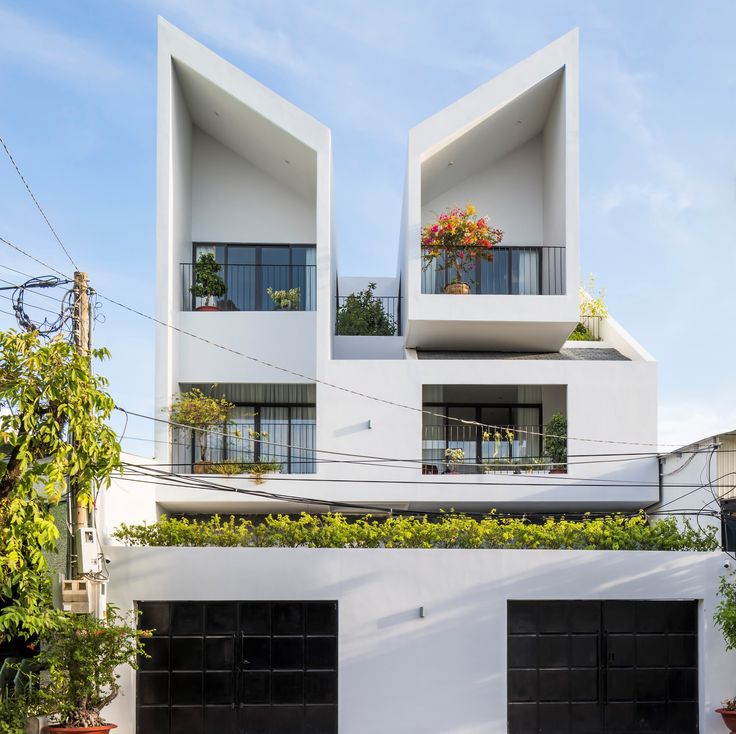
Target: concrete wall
x=446, y=673
x=233, y=201
x=509, y=192
x=554, y=168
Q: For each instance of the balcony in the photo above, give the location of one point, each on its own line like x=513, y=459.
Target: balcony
x=458, y=449
x=374, y=316
x=484, y=429
x=519, y=301
x=271, y=426
x=248, y=287
x=513, y=271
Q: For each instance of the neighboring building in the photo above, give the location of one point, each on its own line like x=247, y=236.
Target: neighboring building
x=699, y=480
x=367, y=420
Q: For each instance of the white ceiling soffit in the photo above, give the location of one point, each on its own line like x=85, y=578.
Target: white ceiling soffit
x=248, y=133
x=501, y=132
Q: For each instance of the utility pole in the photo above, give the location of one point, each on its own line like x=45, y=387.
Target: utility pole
x=82, y=343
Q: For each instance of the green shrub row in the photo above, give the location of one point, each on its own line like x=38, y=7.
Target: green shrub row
x=614, y=532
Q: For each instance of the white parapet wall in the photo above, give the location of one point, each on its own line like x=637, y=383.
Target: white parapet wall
x=445, y=672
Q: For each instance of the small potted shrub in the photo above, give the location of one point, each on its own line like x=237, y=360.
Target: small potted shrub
x=456, y=239
x=555, y=443
x=285, y=300
x=81, y=654
x=454, y=457
x=207, y=282
x=725, y=619
x=199, y=412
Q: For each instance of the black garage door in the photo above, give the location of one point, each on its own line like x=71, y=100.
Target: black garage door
x=238, y=668
x=588, y=667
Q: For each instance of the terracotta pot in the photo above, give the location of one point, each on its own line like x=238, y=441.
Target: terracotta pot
x=80, y=729
x=558, y=470
x=207, y=308
x=729, y=718
x=201, y=467
x=458, y=289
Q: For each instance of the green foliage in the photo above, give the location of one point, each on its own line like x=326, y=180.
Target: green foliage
x=362, y=314
x=48, y=394
x=255, y=468
x=207, y=281
x=14, y=711
x=592, y=299
x=286, y=300
x=725, y=615
x=582, y=334
x=555, y=439
x=614, y=532
x=81, y=654
x=199, y=412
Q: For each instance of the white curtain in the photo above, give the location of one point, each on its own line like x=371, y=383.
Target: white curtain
x=528, y=272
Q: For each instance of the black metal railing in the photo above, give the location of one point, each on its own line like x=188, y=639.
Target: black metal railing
x=377, y=316
x=526, y=271
x=280, y=447
x=247, y=288
x=458, y=449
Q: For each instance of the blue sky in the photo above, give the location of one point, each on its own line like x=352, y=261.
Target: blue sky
x=658, y=150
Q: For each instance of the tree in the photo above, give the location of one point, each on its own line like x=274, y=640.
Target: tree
x=207, y=281
x=362, y=314
x=199, y=412
x=53, y=413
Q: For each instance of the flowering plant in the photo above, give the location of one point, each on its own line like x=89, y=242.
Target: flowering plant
x=285, y=300
x=458, y=237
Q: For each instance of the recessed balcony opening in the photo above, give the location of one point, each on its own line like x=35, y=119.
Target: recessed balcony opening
x=485, y=429
x=255, y=277
x=270, y=429
x=511, y=167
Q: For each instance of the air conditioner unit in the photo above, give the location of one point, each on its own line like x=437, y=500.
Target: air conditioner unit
x=77, y=596
x=89, y=558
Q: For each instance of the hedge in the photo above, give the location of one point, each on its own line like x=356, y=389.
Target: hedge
x=333, y=530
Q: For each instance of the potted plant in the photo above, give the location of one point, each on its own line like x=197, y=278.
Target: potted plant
x=207, y=282
x=199, y=412
x=453, y=458
x=362, y=314
x=724, y=618
x=81, y=654
x=456, y=240
x=555, y=443
x=286, y=300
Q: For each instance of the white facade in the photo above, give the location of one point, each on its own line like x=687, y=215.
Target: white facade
x=244, y=174
x=239, y=165
x=444, y=673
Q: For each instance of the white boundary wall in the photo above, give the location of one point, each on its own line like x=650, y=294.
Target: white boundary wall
x=445, y=673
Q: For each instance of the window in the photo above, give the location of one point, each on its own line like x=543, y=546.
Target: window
x=250, y=270
x=518, y=438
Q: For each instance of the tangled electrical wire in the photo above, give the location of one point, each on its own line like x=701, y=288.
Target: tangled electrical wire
x=49, y=325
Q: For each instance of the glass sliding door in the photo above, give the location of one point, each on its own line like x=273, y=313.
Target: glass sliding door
x=274, y=274
x=242, y=278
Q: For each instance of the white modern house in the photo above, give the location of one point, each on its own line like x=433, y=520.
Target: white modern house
x=357, y=641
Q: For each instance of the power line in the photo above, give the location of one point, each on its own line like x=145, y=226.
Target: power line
x=33, y=257
x=38, y=206
x=332, y=385
x=190, y=482
x=371, y=458
x=368, y=459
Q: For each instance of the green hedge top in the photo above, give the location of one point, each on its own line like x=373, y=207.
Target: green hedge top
x=613, y=532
